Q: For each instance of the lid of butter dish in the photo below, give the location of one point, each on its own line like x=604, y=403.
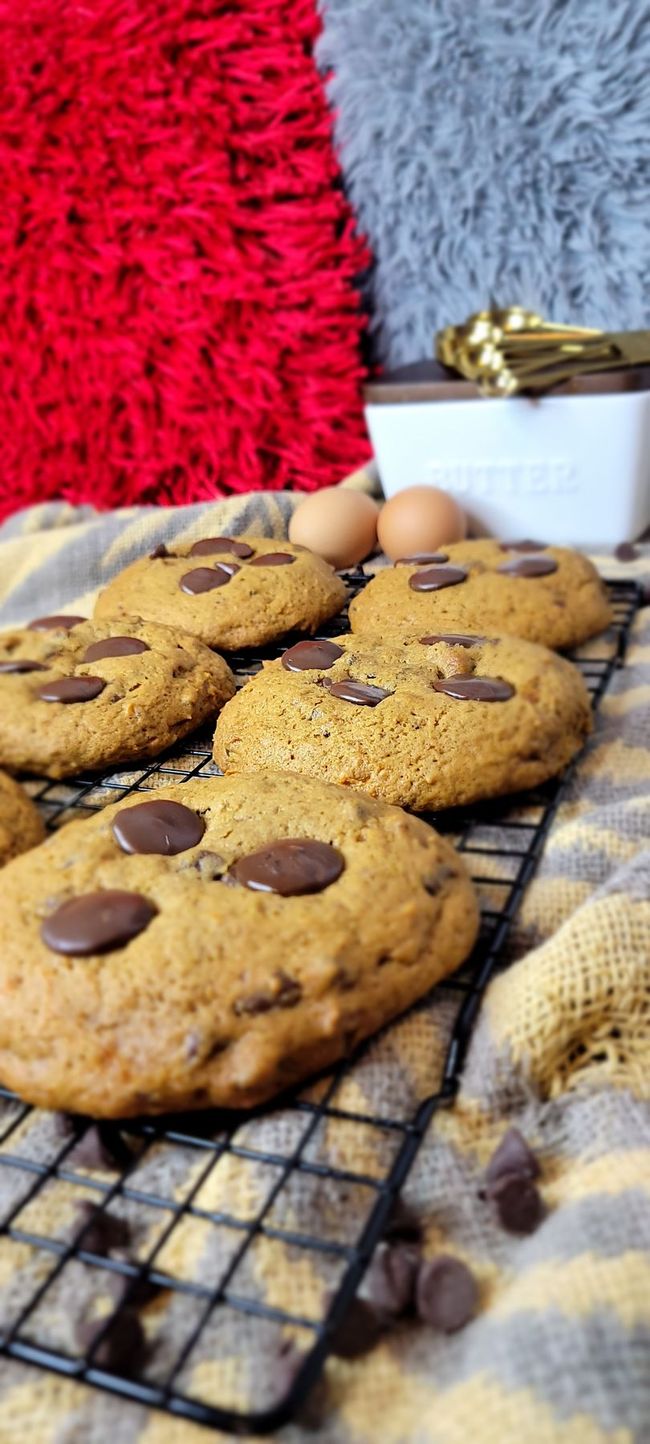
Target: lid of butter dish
x=430, y=381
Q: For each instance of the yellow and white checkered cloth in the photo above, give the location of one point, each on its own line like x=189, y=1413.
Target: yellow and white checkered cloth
x=559, y=1352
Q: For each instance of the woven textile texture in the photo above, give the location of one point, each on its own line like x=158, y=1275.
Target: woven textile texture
x=558, y=1353
x=499, y=150
x=179, y=317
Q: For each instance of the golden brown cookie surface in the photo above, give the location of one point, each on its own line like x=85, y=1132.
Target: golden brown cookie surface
x=543, y=594
x=102, y=692
x=425, y=725
x=182, y=982
x=20, y=823
x=230, y=591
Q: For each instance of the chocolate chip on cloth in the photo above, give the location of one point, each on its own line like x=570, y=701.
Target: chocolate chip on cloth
x=432, y=723
x=122, y=1348
x=550, y=595
x=510, y=1184
x=389, y=1284
x=20, y=822
x=96, y=1231
x=158, y=988
x=446, y=1293
x=246, y=592
x=99, y=693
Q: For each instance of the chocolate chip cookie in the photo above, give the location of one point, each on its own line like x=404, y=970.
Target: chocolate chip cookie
x=230, y=591
x=91, y=694
x=544, y=594
x=432, y=723
x=20, y=823
x=216, y=943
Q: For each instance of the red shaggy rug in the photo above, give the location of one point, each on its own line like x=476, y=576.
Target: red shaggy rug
x=179, y=315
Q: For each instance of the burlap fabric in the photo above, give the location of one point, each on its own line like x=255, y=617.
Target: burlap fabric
x=560, y=1350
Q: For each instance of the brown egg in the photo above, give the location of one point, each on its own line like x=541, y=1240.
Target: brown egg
x=419, y=519
x=337, y=524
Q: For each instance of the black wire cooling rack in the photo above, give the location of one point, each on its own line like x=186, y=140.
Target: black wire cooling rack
x=40, y=1155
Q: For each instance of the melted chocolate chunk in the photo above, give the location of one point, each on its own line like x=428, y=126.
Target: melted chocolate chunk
x=71, y=689
x=512, y=1155
x=437, y=577
x=273, y=559
x=390, y=1280
x=53, y=624
x=114, y=647
x=529, y=567
x=627, y=552
x=359, y=692
x=306, y=656
x=446, y=1294
x=519, y=1204
x=454, y=639
x=474, y=689
x=522, y=546
x=204, y=579
x=97, y=922
x=22, y=664
x=419, y=557
x=159, y=551
x=160, y=827
x=211, y=544
x=230, y=567
x=291, y=867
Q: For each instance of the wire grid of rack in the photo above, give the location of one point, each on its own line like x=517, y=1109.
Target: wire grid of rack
x=511, y=832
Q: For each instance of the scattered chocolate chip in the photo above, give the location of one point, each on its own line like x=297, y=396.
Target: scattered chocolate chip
x=437, y=577
x=358, y=1331
x=474, y=689
x=306, y=656
x=291, y=867
x=22, y=664
x=101, y=1147
x=519, y=1204
x=114, y=647
x=102, y=1231
x=522, y=546
x=97, y=922
x=204, y=579
x=221, y=544
x=390, y=1281
x=454, y=639
x=446, y=1293
x=209, y=865
x=54, y=624
x=627, y=552
x=512, y=1155
x=160, y=827
x=420, y=557
x=71, y=689
x=359, y=692
x=403, y=1224
x=273, y=559
x=159, y=551
x=285, y=993
x=529, y=567
x=122, y=1347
